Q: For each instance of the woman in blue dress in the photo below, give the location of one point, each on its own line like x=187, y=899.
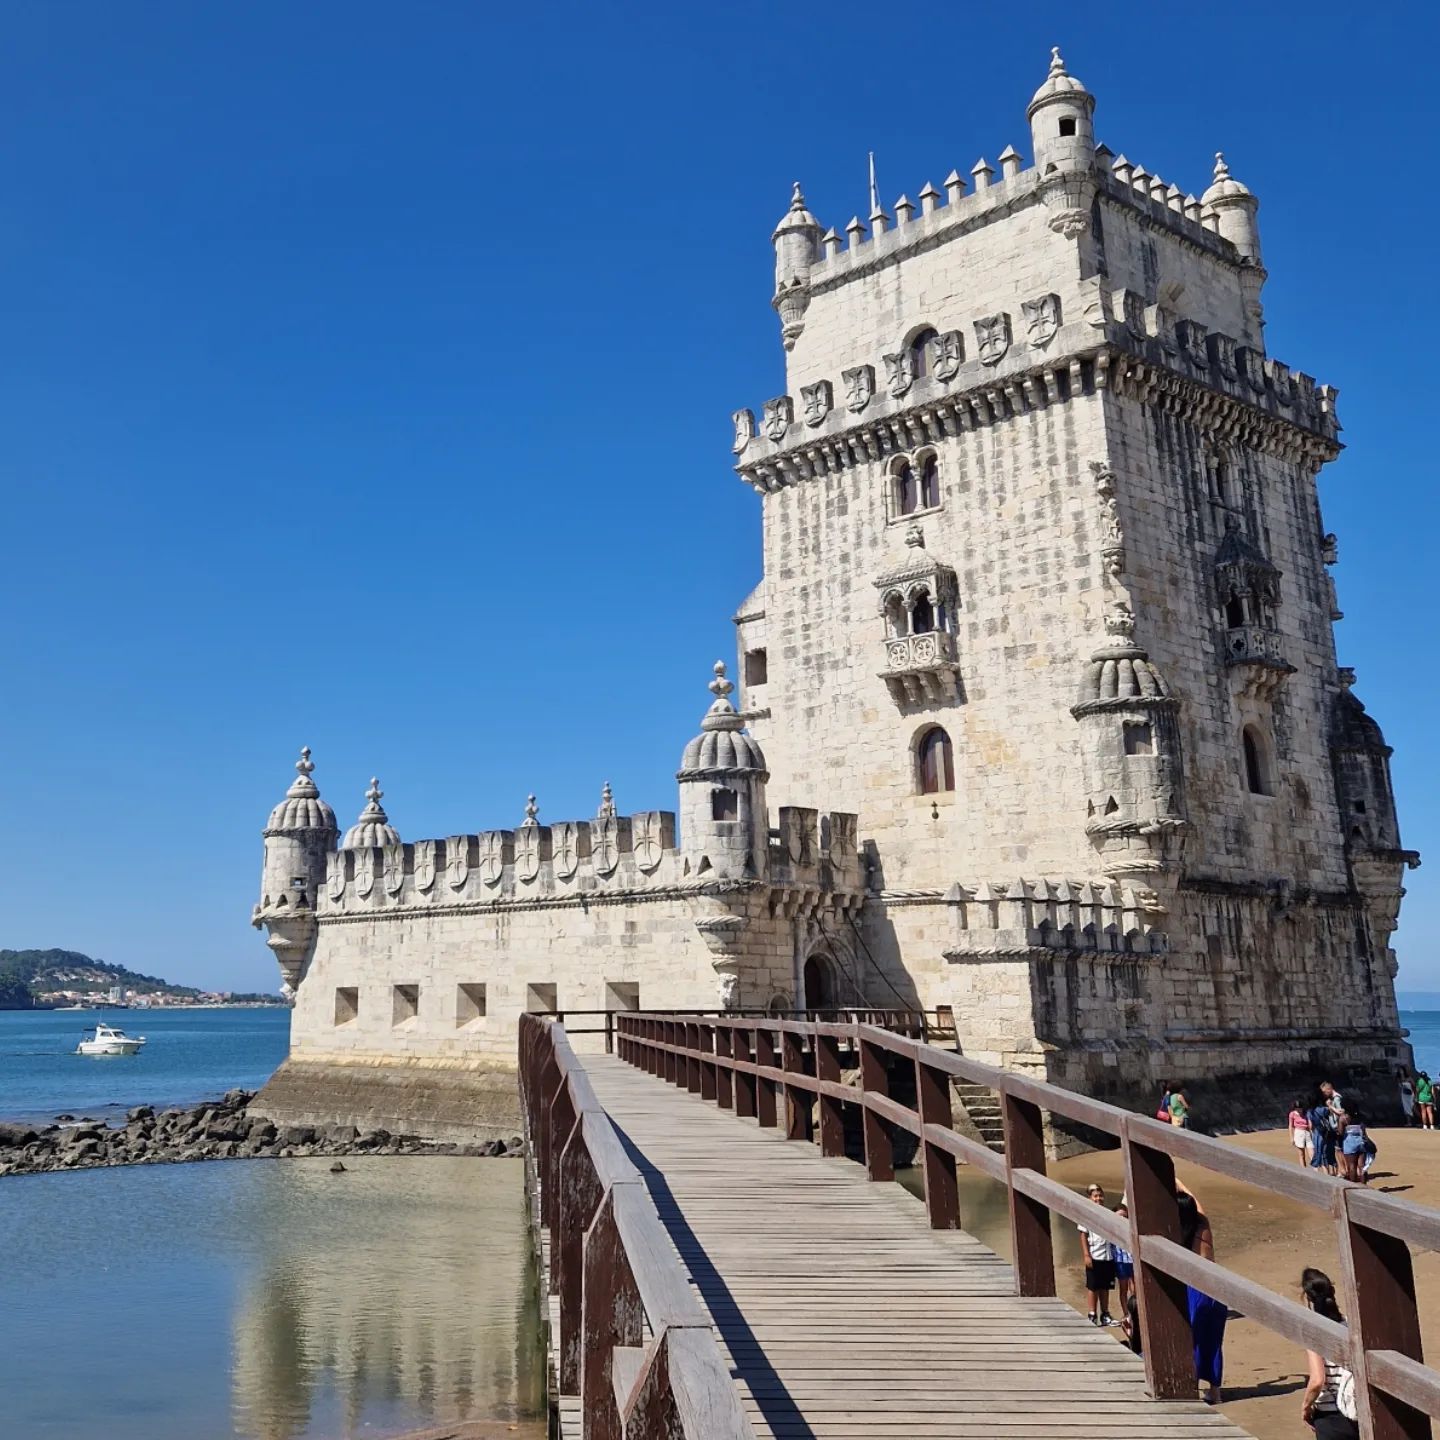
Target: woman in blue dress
x=1207, y=1315
x=1322, y=1133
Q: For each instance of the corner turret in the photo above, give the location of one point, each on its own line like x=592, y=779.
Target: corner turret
x=373, y=827
x=797, y=244
x=1061, y=115
x=724, y=823
x=1235, y=209
x=299, y=836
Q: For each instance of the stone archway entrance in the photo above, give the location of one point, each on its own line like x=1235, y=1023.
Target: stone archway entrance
x=819, y=978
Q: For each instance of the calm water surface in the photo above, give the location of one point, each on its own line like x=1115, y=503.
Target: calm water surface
x=266, y=1299
x=189, y=1055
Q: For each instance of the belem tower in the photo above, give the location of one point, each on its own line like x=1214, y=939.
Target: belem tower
x=1038, y=715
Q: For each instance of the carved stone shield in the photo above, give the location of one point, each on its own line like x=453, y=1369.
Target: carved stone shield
x=992, y=336
x=335, y=865
x=949, y=352
x=1192, y=341
x=842, y=838
x=565, y=839
x=606, y=842
x=1042, y=320
x=457, y=861
x=817, y=401
x=364, y=871
x=779, y=412
x=744, y=421
x=394, y=869
x=648, y=844
x=899, y=372
x=527, y=852
x=424, y=864
x=859, y=387
x=492, y=857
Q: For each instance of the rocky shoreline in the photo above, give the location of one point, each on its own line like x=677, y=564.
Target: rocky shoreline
x=215, y=1130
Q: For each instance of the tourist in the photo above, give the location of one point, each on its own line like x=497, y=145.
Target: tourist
x=1179, y=1109
x=1352, y=1143
x=1124, y=1271
x=1425, y=1100
x=1322, y=1133
x=1163, y=1112
x=1207, y=1315
x=1328, y=1405
x=1407, y=1095
x=1299, y=1123
x=1332, y=1096
x=1099, y=1262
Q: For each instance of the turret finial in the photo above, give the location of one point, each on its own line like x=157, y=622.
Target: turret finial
x=797, y=199
x=607, y=803
x=304, y=764
x=720, y=686
x=374, y=794
x=532, y=811
x=1222, y=170
x=1057, y=65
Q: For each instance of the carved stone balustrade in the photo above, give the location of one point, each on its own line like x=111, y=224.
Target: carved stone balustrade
x=921, y=667
x=1258, y=649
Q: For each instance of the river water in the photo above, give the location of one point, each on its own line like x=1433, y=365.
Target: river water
x=252, y=1299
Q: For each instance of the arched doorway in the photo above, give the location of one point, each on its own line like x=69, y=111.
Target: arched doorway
x=819, y=977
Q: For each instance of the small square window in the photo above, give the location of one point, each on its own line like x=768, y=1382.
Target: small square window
x=469, y=1005
x=347, y=1004
x=1067, y=124
x=756, y=667
x=540, y=999
x=1139, y=739
x=724, y=804
x=405, y=1003
x=622, y=994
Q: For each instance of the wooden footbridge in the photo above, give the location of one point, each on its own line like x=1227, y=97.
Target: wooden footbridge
x=718, y=1268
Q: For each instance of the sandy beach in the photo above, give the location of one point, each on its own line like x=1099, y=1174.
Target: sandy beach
x=1270, y=1240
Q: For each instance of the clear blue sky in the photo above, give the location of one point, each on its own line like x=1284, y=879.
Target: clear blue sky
x=367, y=372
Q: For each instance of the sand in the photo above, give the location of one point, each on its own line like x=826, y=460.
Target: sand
x=1270, y=1240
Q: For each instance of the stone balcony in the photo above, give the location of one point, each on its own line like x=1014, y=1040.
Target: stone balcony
x=1258, y=650
x=921, y=668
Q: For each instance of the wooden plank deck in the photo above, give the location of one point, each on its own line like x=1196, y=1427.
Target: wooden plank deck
x=844, y=1315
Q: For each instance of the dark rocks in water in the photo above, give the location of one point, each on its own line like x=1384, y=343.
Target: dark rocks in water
x=297, y=1135
x=64, y=1119
x=339, y=1134
x=373, y=1140
x=12, y=1135
x=338, y=1168
x=139, y=1112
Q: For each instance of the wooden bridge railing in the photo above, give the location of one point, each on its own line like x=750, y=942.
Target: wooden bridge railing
x=752, y=1066
x=635, y=1344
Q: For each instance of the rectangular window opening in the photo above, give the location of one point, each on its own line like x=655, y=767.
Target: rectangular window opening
x=622, y=994
x=1139, y=739
x=756, y=667
x=405, y=1003
x=1067, y=124
x=469, y=1005
x=347, y=1004
x=724, y=804
x=540, y=999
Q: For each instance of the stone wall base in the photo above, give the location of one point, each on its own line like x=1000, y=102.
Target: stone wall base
x=405, y=1098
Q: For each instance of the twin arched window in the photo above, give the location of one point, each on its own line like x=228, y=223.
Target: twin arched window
x=935, y=762
x=917, y=485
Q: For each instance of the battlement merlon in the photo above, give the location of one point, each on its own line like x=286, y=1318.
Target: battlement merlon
x=1091, y=213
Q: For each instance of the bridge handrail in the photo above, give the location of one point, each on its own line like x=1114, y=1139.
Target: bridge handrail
x=635, y=1344
x=920, y=1023
x=748, y=1065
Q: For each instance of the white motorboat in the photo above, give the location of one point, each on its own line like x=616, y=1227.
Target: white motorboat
x=107, y=1040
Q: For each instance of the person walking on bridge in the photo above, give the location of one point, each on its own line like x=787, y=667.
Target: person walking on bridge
x=1328, y=1405
x=1098, y=1258
x=1207, y=1315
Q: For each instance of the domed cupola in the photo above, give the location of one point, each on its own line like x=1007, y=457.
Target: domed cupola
x=299, y=838
x=1362, y=774
x=724, y=823
x=373, y=827
x=797, y=246
x=1236, y=208
x=1130, y=754
x=1062, y=129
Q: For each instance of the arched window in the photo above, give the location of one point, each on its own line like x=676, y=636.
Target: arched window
x=920, y=353
x=907, y=491
x=896, y=622
x=929, y=482
x=1257, y=762
x=936, y=762
x=922, y=615
x=1234, y=610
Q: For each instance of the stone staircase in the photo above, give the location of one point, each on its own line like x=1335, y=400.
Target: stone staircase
x=982, y=1106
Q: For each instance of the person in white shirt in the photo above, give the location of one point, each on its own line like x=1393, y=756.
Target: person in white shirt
x=1098, y=1258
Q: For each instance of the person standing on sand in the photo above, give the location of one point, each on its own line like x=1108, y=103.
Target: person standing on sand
x=1163, y=1112
x=1407, y=1095
x=1425, y=1100
x=1124, y=1271
x=1299, y=1123
x=1322, y=1133
x=1099, y=1262
x=1328, y=1405
x=1179, y=1109
x=1207, y=1315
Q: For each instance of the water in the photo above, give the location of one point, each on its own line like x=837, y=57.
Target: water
x=1424, y=1028
x=267, y=1300
x=190, y=1055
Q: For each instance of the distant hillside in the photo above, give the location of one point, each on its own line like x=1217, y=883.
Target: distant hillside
x=27, y=974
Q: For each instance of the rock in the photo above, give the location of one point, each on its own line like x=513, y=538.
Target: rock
x=64, y=1119
x=236, y=1099
x=87, y=1150
x=338, y=1168
x=17, y=1134
x=139, y=1112
x=262, y=1130
x=80, y=1134
x=373, y=1140
x=225, y=1130
x=297, y=1135
x=340, y=1134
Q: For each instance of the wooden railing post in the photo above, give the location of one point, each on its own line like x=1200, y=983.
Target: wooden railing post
x=1164, y=1308
x=692, y=1061
x=549, y=1083
x=932, y=1101
x=1378, y=1278
x=744, y=1054
x=724, y=1076
x=799, y=1119
x=674, y=1065
x=1030, y=1238
x=559, y=1125
x=579, y=1197
x=611, y=1315
x=832, y=1115
x=874, y=1080
x=765, y=1090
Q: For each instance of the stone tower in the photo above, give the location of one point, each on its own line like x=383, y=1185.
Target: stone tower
x=1034, y=411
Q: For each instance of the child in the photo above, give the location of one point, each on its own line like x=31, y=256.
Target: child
x=1300, y=1132
x=1099, y=1261
x=1124, y=1269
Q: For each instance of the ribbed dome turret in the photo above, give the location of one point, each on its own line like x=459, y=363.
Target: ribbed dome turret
x=302, y=808
x=1225, y=186
x=797, y=217
x=1120, y=672
x=721, y=747
x=1351, y=727
x=1058, y=83
x=373, y=827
